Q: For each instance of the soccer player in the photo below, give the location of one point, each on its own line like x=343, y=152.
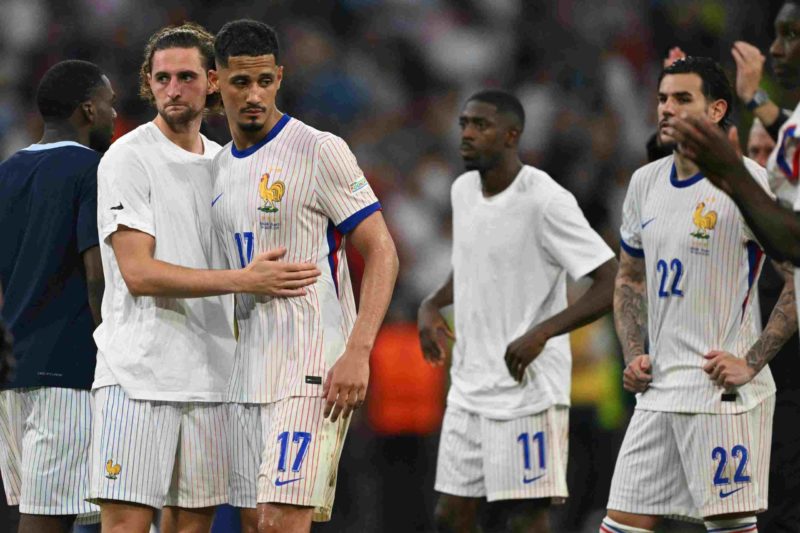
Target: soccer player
x=516, y=236
x=301, y=365
x=165, y=347
x=694, y=448
x=52, y=277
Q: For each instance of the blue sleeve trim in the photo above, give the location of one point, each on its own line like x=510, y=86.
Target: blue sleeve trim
x=634, y=252
x=350, y=223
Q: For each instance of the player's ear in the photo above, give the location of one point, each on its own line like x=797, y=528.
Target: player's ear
x=717, y=110
x=213, y=82
x=512, y=137
x=279, y=76
x=88, y=111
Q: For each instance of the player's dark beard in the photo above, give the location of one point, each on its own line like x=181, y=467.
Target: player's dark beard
x=481, y=162
x=251, y=127
x=100, y=139
x=178, y=120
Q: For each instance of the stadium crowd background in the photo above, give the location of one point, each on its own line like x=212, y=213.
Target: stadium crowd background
x=389, y=76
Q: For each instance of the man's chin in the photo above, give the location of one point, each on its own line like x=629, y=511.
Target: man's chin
x=180, y=118
x=252, y=127
x=666, y=142
x=471, y=164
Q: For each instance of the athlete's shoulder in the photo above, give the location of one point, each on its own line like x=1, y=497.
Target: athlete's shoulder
x=211, y=148
x=654, y=170
x=468, y=181
x=63, y=156
x=133, y=144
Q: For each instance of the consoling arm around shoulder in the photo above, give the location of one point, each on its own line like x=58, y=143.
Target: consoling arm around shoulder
x=95, y=283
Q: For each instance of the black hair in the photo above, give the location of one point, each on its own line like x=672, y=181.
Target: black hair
x=65, y=86
x=505, y=103
x=187, y=35
x=245, y=37
x=715, y=84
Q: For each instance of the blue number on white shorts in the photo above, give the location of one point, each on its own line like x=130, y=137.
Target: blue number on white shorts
x=247, y=237
x=538, y=437
x=721, y=454
x=304, y=438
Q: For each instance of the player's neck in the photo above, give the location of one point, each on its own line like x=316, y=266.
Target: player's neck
x=245, y=139
x=684, y=168
x=54, y=133
x=187, y=137
x=496, y=179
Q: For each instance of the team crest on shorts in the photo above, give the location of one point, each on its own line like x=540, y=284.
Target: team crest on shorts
x=112, y=470
x=270, y=194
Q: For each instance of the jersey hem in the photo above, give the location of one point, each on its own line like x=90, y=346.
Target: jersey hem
x=506, y=415
x=157, y=396
x=734, y=409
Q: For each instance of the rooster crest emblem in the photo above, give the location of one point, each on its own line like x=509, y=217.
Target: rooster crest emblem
x=704, y=222
x=112, y=470
x=271, y=194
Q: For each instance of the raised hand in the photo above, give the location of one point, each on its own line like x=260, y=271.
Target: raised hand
x=675, y=53
x=749, y=69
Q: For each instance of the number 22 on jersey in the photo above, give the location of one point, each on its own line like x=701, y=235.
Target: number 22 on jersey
x=669, y=278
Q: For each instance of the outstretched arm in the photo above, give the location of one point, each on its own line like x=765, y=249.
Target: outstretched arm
x=433, y=329
x=593, y=304
x=727, y=370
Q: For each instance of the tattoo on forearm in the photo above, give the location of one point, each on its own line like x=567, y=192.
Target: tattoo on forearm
x=781, y=325
x=630, y=317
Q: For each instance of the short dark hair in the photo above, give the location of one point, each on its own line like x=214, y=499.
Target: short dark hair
x=715, y=84
x=65, y=86
x=187, y=35
x=245, y=37
x=505, y=103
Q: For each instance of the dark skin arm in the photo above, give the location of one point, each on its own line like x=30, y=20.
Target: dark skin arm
x=593, y=304
x=775, y=227
x=95, y=284
x=433, y=330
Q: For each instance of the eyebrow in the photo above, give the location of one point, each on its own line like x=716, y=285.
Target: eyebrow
x=678, y=93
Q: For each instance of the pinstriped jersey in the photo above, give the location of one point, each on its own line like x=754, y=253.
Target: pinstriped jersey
x=300, y=188
x=702, y=263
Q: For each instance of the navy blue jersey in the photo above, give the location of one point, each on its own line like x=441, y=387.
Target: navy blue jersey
x=48, y=217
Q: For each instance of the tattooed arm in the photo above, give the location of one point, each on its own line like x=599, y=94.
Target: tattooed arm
x=727, y=370
x=630, y=319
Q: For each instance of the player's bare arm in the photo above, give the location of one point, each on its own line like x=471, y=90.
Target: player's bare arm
x=95, y=283
x=146, y=276
x=727, y=370
x=749, y=70
x=777, y=228
x=593, y=304
x=433, y=328
x=346, y=383
x=630, y=320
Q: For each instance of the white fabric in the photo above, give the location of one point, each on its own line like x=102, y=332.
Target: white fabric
x=302, y=189
x=700, y=285
x=523, y=458
x=158, y=348
x=669, y=463
x=511, y=256
x=44, y=451
x=158, y=453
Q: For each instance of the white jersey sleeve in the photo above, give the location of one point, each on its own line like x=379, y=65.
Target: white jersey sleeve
x=631, y=230
x=568, y=238
x=123, y=194
x=345, y=196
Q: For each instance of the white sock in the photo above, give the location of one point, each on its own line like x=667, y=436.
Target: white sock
x=610, y=526
x=747, y=524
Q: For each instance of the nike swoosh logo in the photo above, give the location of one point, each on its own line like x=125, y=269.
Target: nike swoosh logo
x=117, y=207
x=279, y=483
x=646, y=222
x=217, y=198
x=531, y=480
x=723, y=494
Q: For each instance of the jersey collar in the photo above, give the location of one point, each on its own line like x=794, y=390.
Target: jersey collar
x=276, y=129
x=673, y=179
x=50, y=146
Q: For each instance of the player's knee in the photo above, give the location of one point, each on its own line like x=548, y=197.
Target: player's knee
x=610, y=525
x=275, y=518
x=742, y=524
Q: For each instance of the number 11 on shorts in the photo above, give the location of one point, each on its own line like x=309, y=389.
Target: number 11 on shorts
x=526, y=440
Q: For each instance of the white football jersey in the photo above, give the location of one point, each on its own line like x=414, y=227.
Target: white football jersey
x=783, y=165
x=158, y=348
x=300, y=188
x=511, y=256
x=702, y=264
